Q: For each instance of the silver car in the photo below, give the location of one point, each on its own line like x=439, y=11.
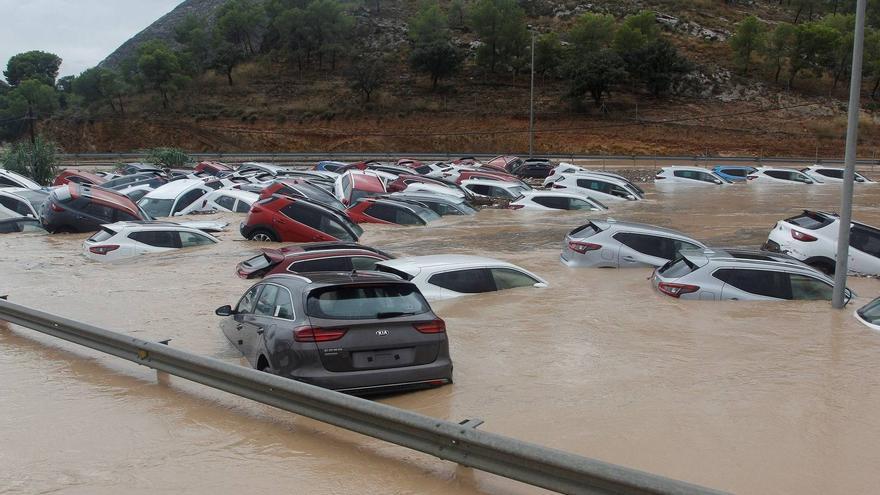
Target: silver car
x=613, y=244
x=738, y=274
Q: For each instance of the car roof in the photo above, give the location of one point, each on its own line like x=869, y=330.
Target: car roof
x=734, y=166
x=426, y=196
x=82, y=173
x=781, y=169
x=365, y=182
x=599, y=176
x=107, y=196
x=149, y=225
x=538, y=192
x=747, y=258
x=235, y=193
x=685, y=167
x=174, y=188
x=490, y=182
x=323, y=279
x=414, y=264
x=611, y=223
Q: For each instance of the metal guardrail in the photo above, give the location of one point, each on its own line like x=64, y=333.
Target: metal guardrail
x=458, y=442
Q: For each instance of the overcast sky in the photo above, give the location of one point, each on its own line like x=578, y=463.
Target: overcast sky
x=81, y=32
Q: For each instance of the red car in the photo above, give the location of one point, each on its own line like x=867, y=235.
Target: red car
x=503, y=163
x=409, y=162
x=389, y=211
x=79, y=177
x=312, y=257
x=286, y=219
x=485, y=174
x=351, y=187
x=213, y=168
x=301, y=188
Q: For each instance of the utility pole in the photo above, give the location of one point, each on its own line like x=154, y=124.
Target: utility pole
x=852, y=131
x=532, y=101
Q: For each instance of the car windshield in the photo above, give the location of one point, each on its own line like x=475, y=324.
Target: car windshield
x=366, y=302
x=871, y=312
x=156, y=207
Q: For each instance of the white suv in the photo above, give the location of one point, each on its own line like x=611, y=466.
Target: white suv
x=127, y=239
x=689, y=175
x=831, y=174
x=811, y=237
x=780, y=176
x=604, y=187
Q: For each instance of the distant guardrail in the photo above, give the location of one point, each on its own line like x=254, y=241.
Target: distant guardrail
x=457, y=442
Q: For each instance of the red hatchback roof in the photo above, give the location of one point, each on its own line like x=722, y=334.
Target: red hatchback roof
x=64, y=177
x=105, y=196
x=369, y=183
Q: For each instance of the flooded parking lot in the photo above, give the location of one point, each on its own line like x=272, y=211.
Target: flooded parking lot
x=750, y=397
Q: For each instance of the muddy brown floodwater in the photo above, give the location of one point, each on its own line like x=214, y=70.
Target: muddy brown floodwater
x=750, y=397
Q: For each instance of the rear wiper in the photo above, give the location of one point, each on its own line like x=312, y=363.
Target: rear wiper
x=392, y=314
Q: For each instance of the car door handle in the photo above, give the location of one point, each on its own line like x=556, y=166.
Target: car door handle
x=628, y=258
x=239, y=326
x=260, y=330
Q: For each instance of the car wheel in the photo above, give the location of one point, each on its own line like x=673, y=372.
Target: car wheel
x=263, y=236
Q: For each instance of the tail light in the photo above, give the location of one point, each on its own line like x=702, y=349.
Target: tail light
x=56, y=208
x=801, y=236
x=676, y=290
x=318, y=334
x=435, y=326
x=558, y=186
x=552, y=172
x=515, y=207
x=583, y=247
x=751, y=177
x=102, y=250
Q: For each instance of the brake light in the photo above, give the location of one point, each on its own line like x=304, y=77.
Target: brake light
x=676, y=290
x=556, y=185
x=801, y=236
x=434, y=326
x=552, y=172
x=102, y=250
x=515, y=207
x=318, y=334
x=583, y=247
x=56, y=208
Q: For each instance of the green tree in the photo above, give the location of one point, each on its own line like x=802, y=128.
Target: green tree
x=64, y=87
x=645, y=22
x=501, y=27
x=168, y=157
x=594, y=73
x=456, y=14
x=328, y=28
x=592, y=32
x=778, y=47
x=101, y=85
x=366, y=75
x=813, y=47
x=37, y=65
x=748, y=39
x=548, y=54
x=658, y=65
x=439, y=59
x=840, y=58
x=240, y=22
x=428, y=25
x=160, y=69
x=196, y=42
x=872, y=59
x=35, y=159
x=30, y=101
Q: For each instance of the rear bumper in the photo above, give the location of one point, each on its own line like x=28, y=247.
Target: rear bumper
x=771, y=246
x=365, y=382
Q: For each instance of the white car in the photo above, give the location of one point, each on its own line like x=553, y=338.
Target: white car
x=414, y=186
x=23, y=201
x=551, y=200
x=780, y=176
x=9, y=178
x=497, y=189
x=559, y=170
x=446, y=276
x=832, y=174
x=172, y=198
x=127, y=239
x=811, y=237
x=869, y=314
x=601, y=186
x=690, y=176
x=228, y=200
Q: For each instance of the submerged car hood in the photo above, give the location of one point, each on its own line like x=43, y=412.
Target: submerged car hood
x=206, y=225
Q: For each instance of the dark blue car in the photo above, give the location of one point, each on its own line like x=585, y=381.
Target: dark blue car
x=734, y=173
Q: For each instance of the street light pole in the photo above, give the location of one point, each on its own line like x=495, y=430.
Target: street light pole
x=852, y=131
x=532, y=102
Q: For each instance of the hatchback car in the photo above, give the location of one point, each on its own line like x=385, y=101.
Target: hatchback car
x=736, y=274
x=359, y=333
x=419, y=184
x=613, y=244
x=495, y=189
x=442, y=204
x=821, y=173
x=78, y=176
x=23, y=201
x=689, y=175
x=604, y=187
x=312, y=257
x=228, y=200
x=9, y=178
x=869, y=314
x=355, y=184
x=301, y=188
x=286, y=219
x=811, y=237
x=83, y=208
x=551, y=200
x=217, y=169
x=450, y=275
x=391, y=211
x=734, y=173
x=127, y=239
x=769, y=175
x=537, y=168
x=173, y=198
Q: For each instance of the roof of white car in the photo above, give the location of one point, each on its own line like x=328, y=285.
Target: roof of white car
x=174, y=189
x=641, y=227
x=235, y=193
x=152, y=225
x=553, y=194
x=491, y=182
x=600, y=176
x=20, y=178
x=781, y=169
x=687, y=167
x=415, y=264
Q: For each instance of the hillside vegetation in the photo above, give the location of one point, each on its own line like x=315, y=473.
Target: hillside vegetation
x=635, y=77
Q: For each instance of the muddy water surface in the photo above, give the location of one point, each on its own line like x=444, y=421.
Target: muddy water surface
x=745, y=397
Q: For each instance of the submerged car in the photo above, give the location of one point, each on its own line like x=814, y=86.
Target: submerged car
x=312, y=257
x=811, y=237
x=9, y=178
x=20, y=224
x=228, y=200
x=869, y=314
x=780, y=176
x=126, y=239
x=495, y=189
x=734, y=173
x=359, y=333
x=356, y=184
x=551, y=200
x=689, y=175
x=23, y=201
x=83, y=208
x=301, y=188
x=601, y=186
x=78, y=176
x=391, y=211
x=446, y=276
x=613, y=244
x=174, y=197
x=442, y=204
x=286, y=219
x=822, y=173
x=738, y=274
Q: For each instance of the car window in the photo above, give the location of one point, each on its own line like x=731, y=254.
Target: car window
x=124, y=216
x=98, y=210
x=334, y=264
x=382, y=212
x=364, y=263
x=579, y=204
x=366, y=302
x=506, y=278
x=246, y=303
x=242, y=206
x=480, y=189
x=305, y=215
x=471, y=281
x=809, y=288
x=652, y=245
x=865, y=240
x=284, y=304
x=761, y=282
x=188, y=199
x=736, y=172
x=227, y=202
x=15, y=205
x=346, y=186
x=190, y=239
x=265, y=305
x=778, y=174
x=552, y=202
x=679, y=245
x=827, y=172
x=593, y=185
x=405, y=217
x=157, y=238
x=7, y=182
x=331, y=227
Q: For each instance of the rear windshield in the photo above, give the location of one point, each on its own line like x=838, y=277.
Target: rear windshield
x=679, y=267
x=401, y=274
x=258, y=262
x=366, y=302
x=586, y=230
x=871, y=312
x=102, y=235
x=810, y=220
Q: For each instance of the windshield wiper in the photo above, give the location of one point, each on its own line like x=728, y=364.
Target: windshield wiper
x=393, y=314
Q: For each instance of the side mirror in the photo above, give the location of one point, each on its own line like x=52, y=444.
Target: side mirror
x=540, y=285
x=808, y=181
x=848, y=294
x=717, y=181
x=630, y=197
x=224, y=311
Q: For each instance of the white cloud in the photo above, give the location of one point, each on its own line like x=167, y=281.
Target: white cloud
x=81, y=32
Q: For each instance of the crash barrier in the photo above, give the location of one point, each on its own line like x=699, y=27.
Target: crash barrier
x=458, y=442
x=109, y=159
